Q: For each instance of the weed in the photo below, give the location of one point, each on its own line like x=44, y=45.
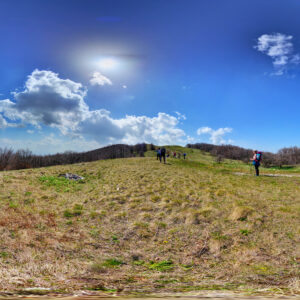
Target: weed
x=114, y=239
x=77, y=211
x=244, y=232
x=162, y=266
x=112, y=263
x=13, y=204
x=4, y=254
x=218, y=236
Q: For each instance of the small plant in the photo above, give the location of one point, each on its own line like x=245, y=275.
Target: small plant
x=28, y=201
x=244, y=232
x=262, y=269
x=161, y=225
x=94, y=214
x=94, y=233
x=112, y=263
x=13, y=204
x=77, y=211
x=139, y=262
x=68, y=213
x=162, y=266
x=4, y=254
x=114, y=239
x=286, y=209
x=290, y=235
x=187, y=267
x=218, y=236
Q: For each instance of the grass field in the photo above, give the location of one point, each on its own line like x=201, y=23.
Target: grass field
x=138, y=226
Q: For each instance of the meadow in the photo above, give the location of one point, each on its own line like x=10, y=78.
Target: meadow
x=136, y=226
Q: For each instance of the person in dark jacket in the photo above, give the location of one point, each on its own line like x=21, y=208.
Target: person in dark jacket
x=163, y=154
x=158, y=154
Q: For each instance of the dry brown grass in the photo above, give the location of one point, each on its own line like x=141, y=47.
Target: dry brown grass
x=218, y=230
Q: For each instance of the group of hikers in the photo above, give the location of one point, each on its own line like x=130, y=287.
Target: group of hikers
x=162, y=154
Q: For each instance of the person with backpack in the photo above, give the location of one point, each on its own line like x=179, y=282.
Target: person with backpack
x=163, y=154
x=256, y=160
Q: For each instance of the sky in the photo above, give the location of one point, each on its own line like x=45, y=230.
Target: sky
x=77, y=75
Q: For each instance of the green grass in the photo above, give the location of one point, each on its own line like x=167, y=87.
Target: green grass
x=161, y=266
x=61, y=184
x=188, y=225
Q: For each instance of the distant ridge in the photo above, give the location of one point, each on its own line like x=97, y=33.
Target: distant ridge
x=24, y=159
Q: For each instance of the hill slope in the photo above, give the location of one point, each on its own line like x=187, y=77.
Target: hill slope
x=138, y=225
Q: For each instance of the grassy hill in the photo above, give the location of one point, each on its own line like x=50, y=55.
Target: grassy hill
x=135, y=225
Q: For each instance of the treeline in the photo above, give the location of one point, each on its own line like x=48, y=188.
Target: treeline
x=24, y=159
x=285, y=156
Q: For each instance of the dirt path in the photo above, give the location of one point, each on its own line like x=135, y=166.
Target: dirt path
x=267, y=175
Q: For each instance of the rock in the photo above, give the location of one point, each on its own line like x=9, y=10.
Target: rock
x=71, y=176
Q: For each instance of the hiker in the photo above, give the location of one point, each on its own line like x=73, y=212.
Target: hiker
x=163, y=154
x=256, y=160
x=179, y=155
x=184, y=155
x=158, y=154
x=174, y=154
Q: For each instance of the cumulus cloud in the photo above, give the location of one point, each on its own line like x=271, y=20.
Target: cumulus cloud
x=280, y=48
x=48, y=100
x=216, y=136
x=161, y=129
x=99, y=79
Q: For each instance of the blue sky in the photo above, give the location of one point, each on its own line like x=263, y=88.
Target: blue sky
x=81, y=74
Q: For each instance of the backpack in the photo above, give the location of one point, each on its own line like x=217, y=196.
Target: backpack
x=163, y=151
x=258, y=157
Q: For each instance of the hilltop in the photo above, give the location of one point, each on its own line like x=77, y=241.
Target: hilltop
x=135, y=225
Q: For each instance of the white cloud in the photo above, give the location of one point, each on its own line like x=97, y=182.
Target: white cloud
x=280, y=48
x=3, y=123
x=161, y=129
x=124, y=86
x=216, y=136
x=99, y=79
x=180, y=116
x=48, y=100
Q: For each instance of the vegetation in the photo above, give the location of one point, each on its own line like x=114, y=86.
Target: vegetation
x=24, y=159
x=135, y=225
x=285, y=156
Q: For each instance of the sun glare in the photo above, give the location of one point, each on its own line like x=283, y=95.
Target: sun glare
x=108, y=64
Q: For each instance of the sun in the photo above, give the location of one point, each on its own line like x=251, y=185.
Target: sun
x=108, y=64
